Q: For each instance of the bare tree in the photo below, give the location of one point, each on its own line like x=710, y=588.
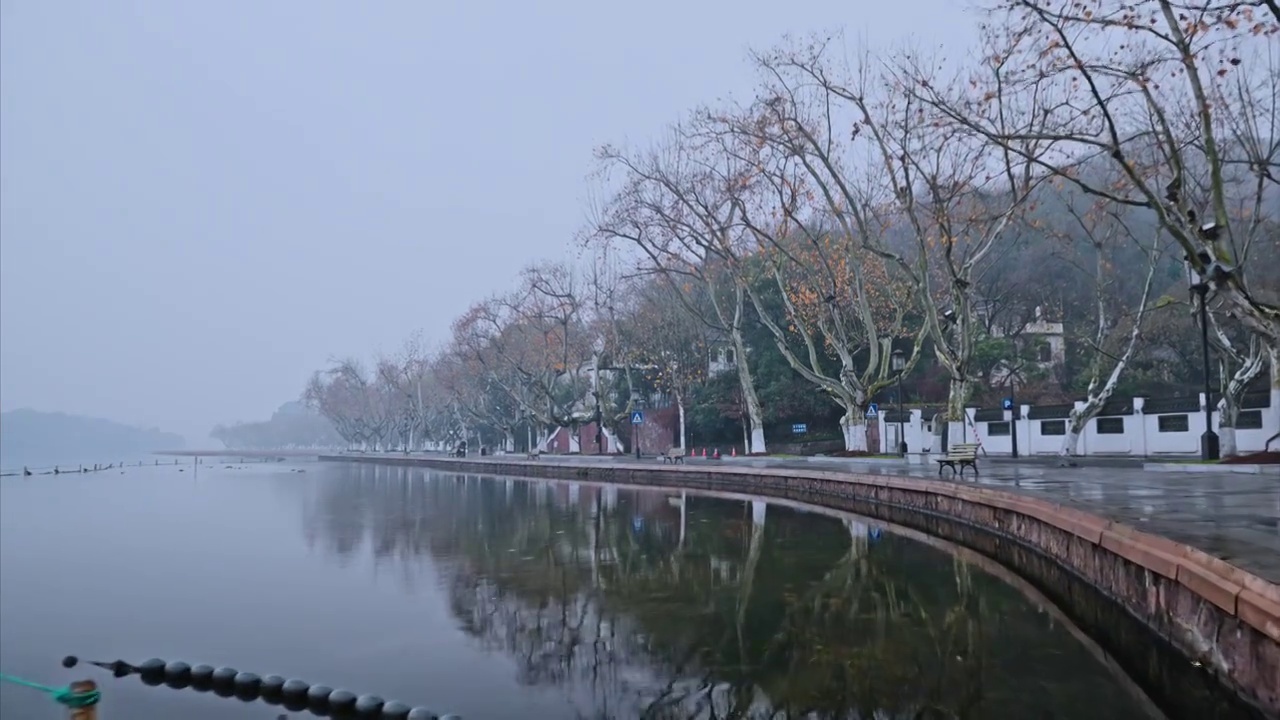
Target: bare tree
x=615, y=330
x=669, y=209
x=1094, y=243
x=924, y=194
x=1152, y=87
x=404, y=376
x=356, y=404
x=673, y=343
x=489, y=371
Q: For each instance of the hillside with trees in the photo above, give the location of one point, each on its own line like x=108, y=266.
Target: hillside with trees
x=1042, y=213
x=39, y=439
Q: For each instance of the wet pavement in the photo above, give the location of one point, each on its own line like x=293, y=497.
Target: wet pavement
x=1233, y=516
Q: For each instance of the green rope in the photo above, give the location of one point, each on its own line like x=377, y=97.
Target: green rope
x=64, y=695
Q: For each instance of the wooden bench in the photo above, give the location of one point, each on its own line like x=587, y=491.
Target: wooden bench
x=674, y=455
x=959, y=457
x=534, y=454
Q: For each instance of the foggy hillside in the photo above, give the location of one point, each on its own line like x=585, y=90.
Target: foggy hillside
x=30, y=437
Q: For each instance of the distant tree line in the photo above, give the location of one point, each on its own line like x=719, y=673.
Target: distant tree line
x=861, y=219
x=293, y=425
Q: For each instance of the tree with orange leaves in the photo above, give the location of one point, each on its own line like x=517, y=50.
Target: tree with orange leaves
x=1178, y=96
x=839, y=308
x=534, y=346
x=923, y=194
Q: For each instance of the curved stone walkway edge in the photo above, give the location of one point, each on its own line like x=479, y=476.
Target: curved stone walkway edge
x=1215, y=612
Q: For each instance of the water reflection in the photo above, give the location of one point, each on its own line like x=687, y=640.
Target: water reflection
x=670, y=605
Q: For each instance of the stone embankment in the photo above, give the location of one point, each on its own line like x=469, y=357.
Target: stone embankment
x=1216, y=614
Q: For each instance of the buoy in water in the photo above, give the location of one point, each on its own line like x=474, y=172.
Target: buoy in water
x=369, y=706
x=201, y=677
x=248, y=685
x=395, y=710
x=342, y=701
x=294, y=689
x=223, y=676
x=272, y=688
x=318, y=697
x=152, y=671
x=177, y=675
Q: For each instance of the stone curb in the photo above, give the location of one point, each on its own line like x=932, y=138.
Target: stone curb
x=1243, y=469
x=1254, y=601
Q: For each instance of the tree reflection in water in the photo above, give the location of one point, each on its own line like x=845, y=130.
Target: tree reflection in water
x=668, y=605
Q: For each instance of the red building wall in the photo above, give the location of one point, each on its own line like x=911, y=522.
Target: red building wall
x=657, y=435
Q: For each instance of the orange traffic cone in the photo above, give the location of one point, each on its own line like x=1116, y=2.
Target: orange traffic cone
x=734, y=451
x=717, y=455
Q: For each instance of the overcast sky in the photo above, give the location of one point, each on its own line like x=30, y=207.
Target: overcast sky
x=202, y=202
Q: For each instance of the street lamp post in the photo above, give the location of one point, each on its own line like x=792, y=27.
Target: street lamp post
x=898, y=363
x=599, y=428
x=1013, y=412
x=1200, y=289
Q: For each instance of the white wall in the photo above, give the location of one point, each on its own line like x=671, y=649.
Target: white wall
x=1141, y=437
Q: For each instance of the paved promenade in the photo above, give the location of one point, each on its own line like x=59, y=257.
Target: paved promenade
x=1233, y=516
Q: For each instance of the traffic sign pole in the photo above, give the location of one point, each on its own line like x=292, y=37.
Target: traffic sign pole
x=637, y=420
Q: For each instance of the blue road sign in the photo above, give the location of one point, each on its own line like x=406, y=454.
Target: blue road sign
x=637, y=418
x=799, y=428
x=1008, y=403
x=873, y=411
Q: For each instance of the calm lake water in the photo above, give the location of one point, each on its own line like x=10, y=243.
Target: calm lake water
x=497, y=598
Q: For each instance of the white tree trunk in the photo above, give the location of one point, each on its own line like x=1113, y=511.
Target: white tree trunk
x=854, y=428
x=684, y=436
x=1250, y=366
x=754, y=414
x=1274, y=353
x=1227, y=446
x=611, y=441
x=957, y=395
x=1080, y=417
x=509, y=441
x=1070, y=443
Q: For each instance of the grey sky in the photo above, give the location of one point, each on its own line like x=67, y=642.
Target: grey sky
x=201, y=202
